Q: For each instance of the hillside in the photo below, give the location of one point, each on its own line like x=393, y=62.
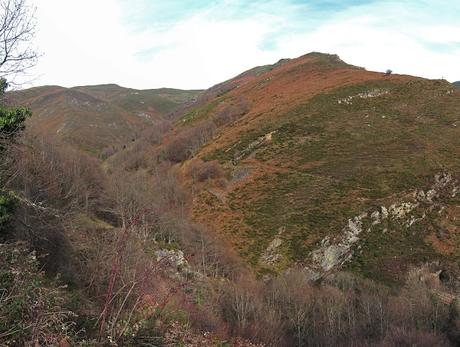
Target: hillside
x=457, y=84
x=305, y=191
x=332, y=166
x=96, y=117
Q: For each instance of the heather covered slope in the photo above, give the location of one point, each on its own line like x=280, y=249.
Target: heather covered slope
x=153, y=102
x=309, y=165
x=332, y=166
x=96, y=117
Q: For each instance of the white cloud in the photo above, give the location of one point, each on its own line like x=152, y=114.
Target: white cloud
x=89, y=42
x=82, y=42
x=361, y=43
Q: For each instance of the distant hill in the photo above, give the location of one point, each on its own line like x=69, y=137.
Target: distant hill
x=94, y=117
x=332, y=166
x=457, y=84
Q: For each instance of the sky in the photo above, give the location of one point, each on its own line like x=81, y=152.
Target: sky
x=194, y=44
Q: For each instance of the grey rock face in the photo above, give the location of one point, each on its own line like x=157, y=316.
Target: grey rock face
x=333, y=254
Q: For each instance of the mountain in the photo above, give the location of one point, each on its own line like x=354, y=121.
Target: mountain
x=310, y=190
x=94, y=117
x=331, y=166
x=326, y=165
x=457, y=84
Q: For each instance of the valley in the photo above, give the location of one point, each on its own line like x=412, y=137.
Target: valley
x=99, y=119
x=301, y=203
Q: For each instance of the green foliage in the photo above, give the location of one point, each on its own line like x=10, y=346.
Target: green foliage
x=302, y=205
x=3, y=86
x=199, y=113
x=32, y=309
x=8, y=204
x=11, y=118
x=12, y=121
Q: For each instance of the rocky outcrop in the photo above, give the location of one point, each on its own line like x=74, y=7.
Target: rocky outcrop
x=272, y=254
x=333, y=253
x=175, y=264
x=253, y=146
x=171, y=258
x=365, y=95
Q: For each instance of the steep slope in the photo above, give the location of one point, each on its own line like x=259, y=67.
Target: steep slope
x=330, y=165
x=94, y=117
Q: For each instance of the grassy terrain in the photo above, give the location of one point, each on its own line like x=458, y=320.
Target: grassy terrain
x=332, y=157
x=95, y=117
x=161, y=101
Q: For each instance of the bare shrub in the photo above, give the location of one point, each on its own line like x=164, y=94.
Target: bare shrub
x=201, y=171
x=131, y=158
x=232, y=112
x=50, y=173
x=344, y=310
x=184, y=144
x=32, y=309
x=416, y=307
x=108, y=152
x=53, y=183
x=240, y=305
x=179, y=148
x=154, y=133
x=409, y=338
x=210, y=254
x=137, y=287
x=134, y=199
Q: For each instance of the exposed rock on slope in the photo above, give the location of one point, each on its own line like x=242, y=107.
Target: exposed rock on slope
x=335, y=253
x=321, y=141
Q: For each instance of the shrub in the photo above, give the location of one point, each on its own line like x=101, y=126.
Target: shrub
x=403, y=337
x=32, y=309
x=232, y=112
x=8, y=203
x=201, y=171
x=183, y=145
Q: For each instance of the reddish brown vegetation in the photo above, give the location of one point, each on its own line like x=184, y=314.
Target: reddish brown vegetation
x=201, y=171
x=102, y=230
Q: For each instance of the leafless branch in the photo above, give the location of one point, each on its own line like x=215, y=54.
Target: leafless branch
x=17, y=30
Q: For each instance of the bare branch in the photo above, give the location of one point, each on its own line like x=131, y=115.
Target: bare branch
x=17, y=30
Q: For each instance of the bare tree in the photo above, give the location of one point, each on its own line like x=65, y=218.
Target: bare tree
x=17, y=29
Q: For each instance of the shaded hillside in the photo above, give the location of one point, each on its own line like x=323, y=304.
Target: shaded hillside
x=457, y=84
x=313, y=147
x=95, y=117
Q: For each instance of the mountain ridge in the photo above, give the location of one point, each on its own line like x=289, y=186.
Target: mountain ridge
x=99, y=116
x=309, y=145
